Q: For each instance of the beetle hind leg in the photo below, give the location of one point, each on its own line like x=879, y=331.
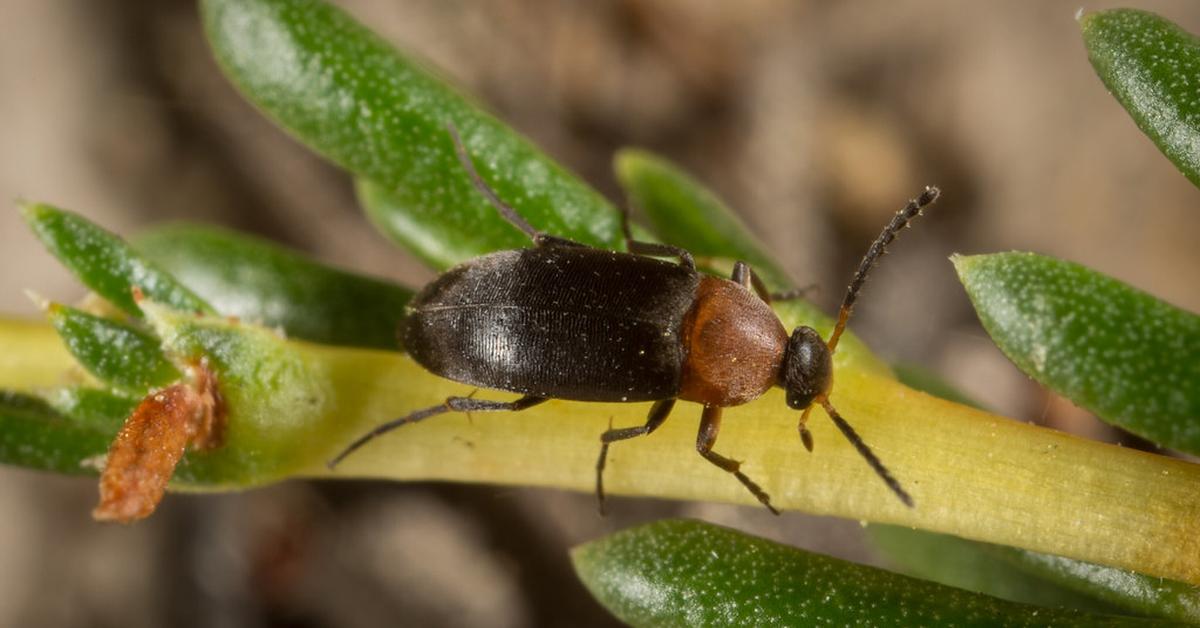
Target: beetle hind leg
x=710, y=425
x=452, y=404
x=505, y=210
x=658, y=413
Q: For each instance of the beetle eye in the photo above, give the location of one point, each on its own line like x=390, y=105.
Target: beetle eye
x=807, y=368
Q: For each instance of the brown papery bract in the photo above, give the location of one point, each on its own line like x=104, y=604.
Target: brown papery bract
x=142, y=458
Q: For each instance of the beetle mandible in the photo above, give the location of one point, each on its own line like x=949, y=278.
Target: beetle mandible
x=528, y=321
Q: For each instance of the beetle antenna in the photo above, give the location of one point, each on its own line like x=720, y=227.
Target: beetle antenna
x=866, y=452
x=506, y=210
x=878, y=248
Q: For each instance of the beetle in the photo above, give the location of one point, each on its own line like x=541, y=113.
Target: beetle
x=564, y=320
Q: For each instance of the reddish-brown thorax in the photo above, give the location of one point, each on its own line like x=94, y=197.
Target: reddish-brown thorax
x=734, y=344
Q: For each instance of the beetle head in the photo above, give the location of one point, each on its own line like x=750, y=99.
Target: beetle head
x=807, y=368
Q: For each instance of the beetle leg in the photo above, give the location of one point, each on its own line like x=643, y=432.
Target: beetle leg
x=506, y=211
x=710, y=425
x=802, y=427
x=470, y=404
x=452, y=404
x=545, y=239
x=653, y=249
x=658, y=413
x=794, y=293
x=744, y=274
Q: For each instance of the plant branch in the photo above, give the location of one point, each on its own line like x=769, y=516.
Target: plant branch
x=971, y=474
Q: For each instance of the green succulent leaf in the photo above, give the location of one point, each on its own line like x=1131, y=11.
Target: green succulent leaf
x=118, y=354
x=1151, y=66
x=383, y=116
x=105, y=263
x=1132, y=591
x=688, y=573
x=92, y=407
x=1119, y=352
x=925, y=380
x=33, y=435
x=684, y=213
x=1034, y=578
x=969, y=565
x=262, y=282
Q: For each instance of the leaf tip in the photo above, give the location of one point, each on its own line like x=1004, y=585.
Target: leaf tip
x=628, y=161
x=31, y=211
x=963, y=263
x=41, y=302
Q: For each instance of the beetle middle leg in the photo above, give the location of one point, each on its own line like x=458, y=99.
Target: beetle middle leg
x=653, y=249
x=710, y=425
x=452, y=404
x=658, y=413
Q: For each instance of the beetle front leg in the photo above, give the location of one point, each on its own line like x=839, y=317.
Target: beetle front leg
x=658, y=413
x=745, y=276
x=710, y=425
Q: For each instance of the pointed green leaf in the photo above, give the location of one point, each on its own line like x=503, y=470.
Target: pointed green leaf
x=969, y=565
x=414, y=230
x=688, y=573
x=924, y=380
x=116, y=353
x=1132, y=591
x=1119, y=352
x=1034, y=578
x=382, y=115
x=33, y=435
x=265, y=283
x=685, y=213
x=1153, y=68
x=92, y=407
x=104, y=262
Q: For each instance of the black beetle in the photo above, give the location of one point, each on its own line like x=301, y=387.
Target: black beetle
x=563, y=320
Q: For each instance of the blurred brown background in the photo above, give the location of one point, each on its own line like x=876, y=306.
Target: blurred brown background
x=816, y=120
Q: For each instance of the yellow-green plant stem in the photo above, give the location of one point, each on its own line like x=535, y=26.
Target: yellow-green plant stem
x=31, y=355
x=971, y=473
